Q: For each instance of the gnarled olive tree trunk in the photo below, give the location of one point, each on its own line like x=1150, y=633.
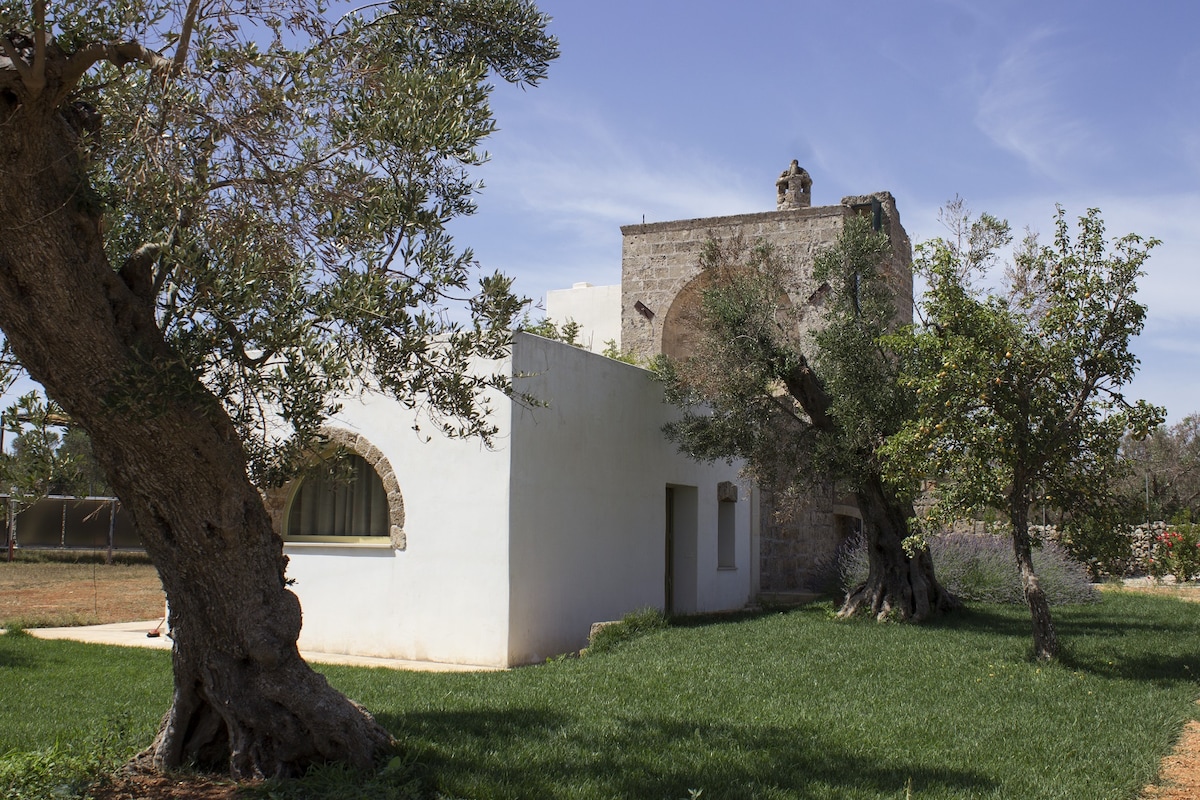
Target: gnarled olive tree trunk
x=897, y=585
x=243, y=698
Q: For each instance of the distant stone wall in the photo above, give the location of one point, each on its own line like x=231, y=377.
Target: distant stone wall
x=1142, y=544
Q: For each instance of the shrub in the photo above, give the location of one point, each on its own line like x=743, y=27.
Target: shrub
x=981, y=568
x=1177, y=552
x=1105, y=546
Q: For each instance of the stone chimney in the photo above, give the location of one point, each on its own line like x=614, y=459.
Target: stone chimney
x=794, y=188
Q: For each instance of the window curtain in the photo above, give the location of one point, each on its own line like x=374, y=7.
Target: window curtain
x=344, y=499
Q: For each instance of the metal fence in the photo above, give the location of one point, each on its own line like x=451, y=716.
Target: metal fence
x=69, y=523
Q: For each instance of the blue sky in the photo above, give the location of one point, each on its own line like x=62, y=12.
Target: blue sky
x=674, y=109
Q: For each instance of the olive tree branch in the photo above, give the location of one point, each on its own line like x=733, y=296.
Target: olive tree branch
x=36, y=81
x=185, y=38
x=23, y=70
x=118, y=55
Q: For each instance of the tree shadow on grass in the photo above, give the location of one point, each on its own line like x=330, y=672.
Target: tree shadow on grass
x=819, y=608
x=1162, y=671
x=1101, y=640
x=14, y=650
x=1090, y=620
x=524, y=752
x=705, y=620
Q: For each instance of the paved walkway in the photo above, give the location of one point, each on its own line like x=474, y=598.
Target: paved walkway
x=133, y=634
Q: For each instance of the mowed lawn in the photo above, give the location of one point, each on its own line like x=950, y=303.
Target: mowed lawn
x=780, y=705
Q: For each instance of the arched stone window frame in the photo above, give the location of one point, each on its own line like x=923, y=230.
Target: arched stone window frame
x=280, y=500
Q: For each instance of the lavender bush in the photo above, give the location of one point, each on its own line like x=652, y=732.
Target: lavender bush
x=981, y=568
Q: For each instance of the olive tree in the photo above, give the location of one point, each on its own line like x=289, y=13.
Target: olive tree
x=1021, y=387
x=804, y=407
x=218, y=217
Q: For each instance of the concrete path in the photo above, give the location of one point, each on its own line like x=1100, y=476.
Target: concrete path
x=133, y=634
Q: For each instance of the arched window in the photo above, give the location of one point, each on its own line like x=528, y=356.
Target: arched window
x=341, y=497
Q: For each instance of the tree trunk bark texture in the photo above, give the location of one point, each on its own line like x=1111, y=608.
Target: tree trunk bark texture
x=898, y=585
x=244, y=700
x=1045, y=639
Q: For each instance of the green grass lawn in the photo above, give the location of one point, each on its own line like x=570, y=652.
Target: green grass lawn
x=783, y=705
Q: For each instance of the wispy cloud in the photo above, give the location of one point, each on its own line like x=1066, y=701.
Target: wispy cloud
x=562, y=176
x=1174, y=342
x=1024, y=107
x=583, y=173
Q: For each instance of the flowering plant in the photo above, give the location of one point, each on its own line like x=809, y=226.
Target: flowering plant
x=1177, y=552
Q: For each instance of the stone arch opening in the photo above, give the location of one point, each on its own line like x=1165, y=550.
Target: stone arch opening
x=681, y=326
x=352, y=494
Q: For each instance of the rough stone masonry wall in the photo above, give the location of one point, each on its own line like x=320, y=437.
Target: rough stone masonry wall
x=798, y=536
x=899, y=269
x=1142, y=546
x=659, y=260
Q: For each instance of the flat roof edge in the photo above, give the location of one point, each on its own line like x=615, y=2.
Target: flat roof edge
x=736, y=219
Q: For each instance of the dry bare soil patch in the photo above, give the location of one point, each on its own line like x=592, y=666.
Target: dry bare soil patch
x=40, y=594
x=1188, y=591
x=145, y=787
x=1179, y=774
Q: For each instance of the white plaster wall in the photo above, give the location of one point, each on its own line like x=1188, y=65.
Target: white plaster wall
x=513, y=552
x=596, y=308
x=443, y=598
x=588, y=502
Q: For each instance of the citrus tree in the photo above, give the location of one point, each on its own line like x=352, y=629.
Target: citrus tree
x=1021, y=389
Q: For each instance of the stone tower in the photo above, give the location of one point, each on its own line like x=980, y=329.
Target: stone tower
x=661, y=282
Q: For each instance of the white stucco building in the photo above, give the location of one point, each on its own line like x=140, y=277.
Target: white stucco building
x=595, y=309
x=436, y=549
x=439, y=549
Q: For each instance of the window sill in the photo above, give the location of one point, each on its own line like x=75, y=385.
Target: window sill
x=727, y=569
x=374, y=542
